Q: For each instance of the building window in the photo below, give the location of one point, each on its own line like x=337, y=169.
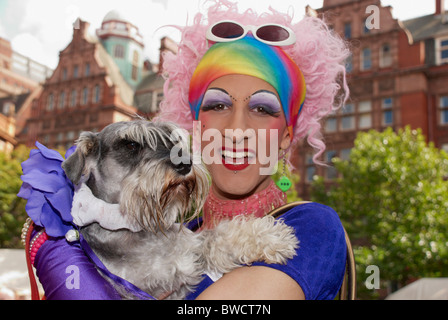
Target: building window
x=73, y=98
x=75, y=71
x=87, y=69
x=348, y=117
x=62, y=100
x=345, y=154
x=134, y=72
x=50, y=102
x=388, y=114
x=331, y=172
x=135, y=60
x=120, y=26
x=159, y=100
x=96, y=94
x=119, y=51
x=70, y=135
x=365, y=29
x=385, y=56
x=366, y=59
x=310, y=173
x=85, y=96
x=331, y=125
x=443, y=110
x=310, y=168
x=442, y=51
x=444, y=147
x=349, y=64
x=64, y=74
x=8, y=108
x=365, y=114
x=348, y=30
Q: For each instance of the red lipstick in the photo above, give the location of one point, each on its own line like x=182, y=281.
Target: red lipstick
x=237, y=159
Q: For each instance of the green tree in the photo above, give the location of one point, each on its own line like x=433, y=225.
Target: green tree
x=393, y=200
x=12, y=208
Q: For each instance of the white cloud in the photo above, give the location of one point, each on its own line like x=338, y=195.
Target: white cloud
x=36, y=29
x=29, y=45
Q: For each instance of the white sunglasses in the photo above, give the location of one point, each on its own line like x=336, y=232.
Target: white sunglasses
x=271, y=34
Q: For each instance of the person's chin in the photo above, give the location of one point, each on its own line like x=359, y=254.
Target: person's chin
x=236, y=182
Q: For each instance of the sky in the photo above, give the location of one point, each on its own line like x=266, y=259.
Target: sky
x=41, y=28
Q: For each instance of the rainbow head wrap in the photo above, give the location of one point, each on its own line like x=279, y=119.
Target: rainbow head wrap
x=248, y=56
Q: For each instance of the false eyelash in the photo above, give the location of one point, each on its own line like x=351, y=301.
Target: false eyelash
x=212, y=106
x=267, y=110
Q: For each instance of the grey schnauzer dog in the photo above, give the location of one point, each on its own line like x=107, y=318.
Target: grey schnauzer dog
x=129, y=165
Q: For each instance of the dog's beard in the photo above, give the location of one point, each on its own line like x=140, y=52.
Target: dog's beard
x=157, y=206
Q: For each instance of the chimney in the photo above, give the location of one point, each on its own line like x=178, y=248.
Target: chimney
x=80, y=28
x=440, y=7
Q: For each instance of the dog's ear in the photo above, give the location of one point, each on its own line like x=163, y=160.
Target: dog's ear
x=75, y=165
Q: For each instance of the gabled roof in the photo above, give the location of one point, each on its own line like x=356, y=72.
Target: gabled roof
x=425, y=27
x=150, y=82
x=18, y=101
x=104, y=60
x=143, y=99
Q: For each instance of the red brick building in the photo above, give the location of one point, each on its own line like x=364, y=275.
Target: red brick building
x=19, y=85
x=397, y=73
x=19, y=74
x=100, y=79
x=85, y=92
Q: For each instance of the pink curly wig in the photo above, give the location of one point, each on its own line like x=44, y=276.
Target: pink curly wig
x=319, y=52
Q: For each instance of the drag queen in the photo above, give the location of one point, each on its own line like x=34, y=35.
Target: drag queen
x=260, y=84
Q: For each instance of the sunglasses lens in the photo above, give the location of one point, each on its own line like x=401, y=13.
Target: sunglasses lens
x=227, y=30
x=272, y=33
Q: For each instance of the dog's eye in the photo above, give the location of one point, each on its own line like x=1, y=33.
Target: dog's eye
x=132, y=146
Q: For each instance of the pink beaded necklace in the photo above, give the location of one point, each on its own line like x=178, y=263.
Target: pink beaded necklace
x=257, y=205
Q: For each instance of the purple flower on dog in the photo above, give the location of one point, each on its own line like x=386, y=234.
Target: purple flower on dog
x=48, y=190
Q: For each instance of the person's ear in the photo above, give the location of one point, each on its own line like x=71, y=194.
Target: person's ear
x=285, y=142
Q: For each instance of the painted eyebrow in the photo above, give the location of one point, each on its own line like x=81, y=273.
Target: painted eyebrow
x=270, y=95
x=215, y=96
x=219, y=89
x=265, y=91
x=216, y=91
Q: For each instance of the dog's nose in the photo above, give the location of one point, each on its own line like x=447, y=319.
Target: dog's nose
x=182, y=168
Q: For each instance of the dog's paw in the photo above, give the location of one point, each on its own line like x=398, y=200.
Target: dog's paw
x=275, y=240
x=261, y=239
x=242, y=241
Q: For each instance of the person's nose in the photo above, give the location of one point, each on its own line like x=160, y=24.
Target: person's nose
x=237, y=128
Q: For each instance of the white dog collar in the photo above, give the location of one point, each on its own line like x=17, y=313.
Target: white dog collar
x=87, y=209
